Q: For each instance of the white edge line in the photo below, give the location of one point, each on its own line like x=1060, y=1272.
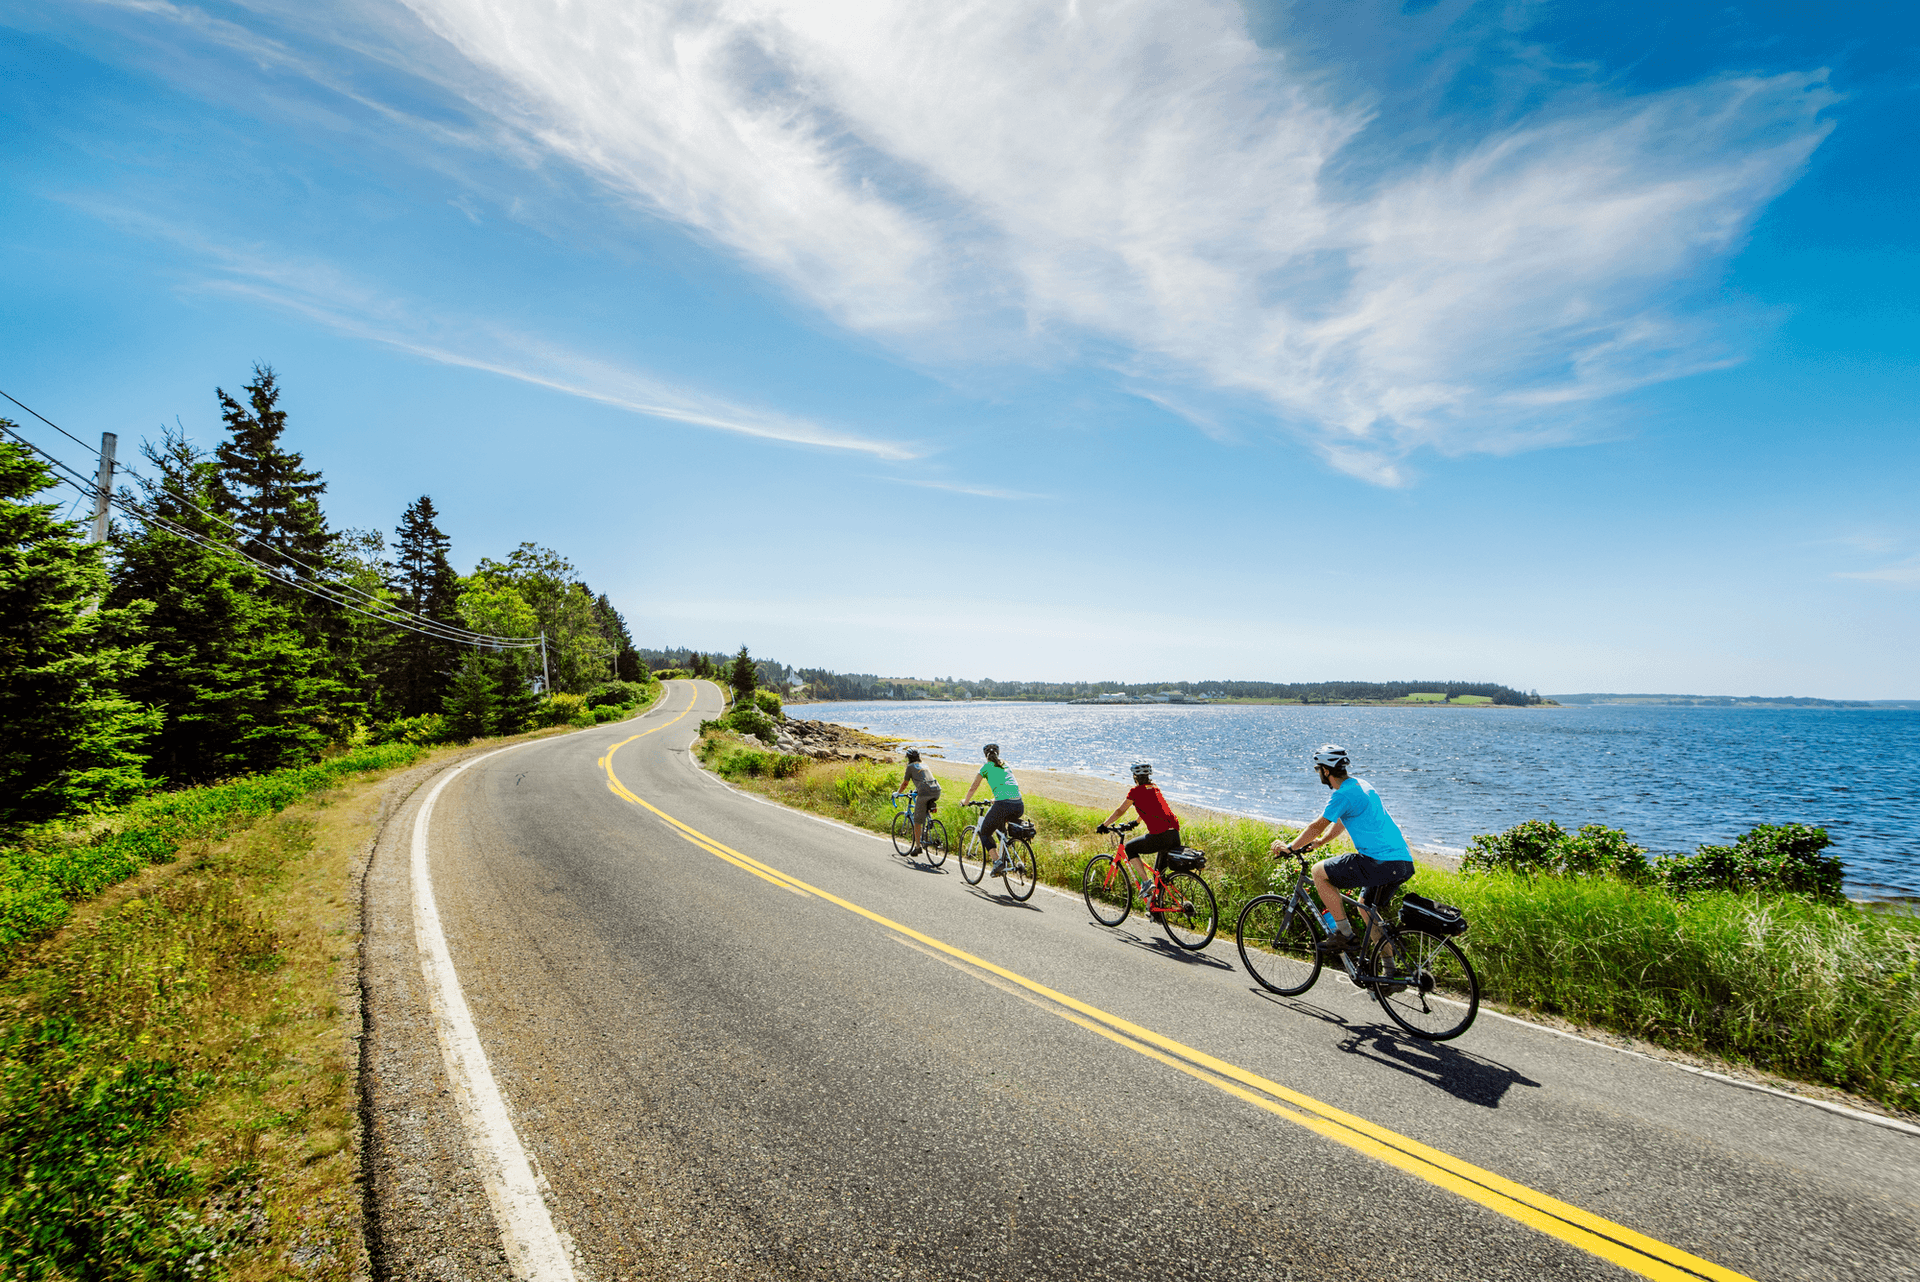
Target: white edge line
x=535, y=1249
x=1858, y=1115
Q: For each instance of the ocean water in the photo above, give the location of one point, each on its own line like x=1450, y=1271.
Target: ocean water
x=1673, y=778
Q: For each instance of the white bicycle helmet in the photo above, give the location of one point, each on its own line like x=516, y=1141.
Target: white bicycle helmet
x=1332, y=756
x=1142, y=770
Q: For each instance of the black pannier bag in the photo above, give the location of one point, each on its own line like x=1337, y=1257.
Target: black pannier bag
x=1417, y=912
x=1022, y=830
x=1186, y=859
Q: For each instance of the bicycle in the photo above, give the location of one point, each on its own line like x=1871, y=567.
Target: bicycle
x=933, y=835
x=1412, y=967
x=1019, y=871
x=1181, y=899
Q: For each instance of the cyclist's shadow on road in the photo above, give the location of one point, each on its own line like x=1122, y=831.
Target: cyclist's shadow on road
x=1001, y=898
x=1459, y=1073
x=1162, y=947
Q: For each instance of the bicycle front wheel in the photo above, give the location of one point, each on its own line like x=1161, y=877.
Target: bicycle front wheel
x=1107, y=889
x=1191, y=916
x=1426, y=984
x=902, y=834
x=973, y=857
x=1276, y=938
x=1022, y=873
x=933, y=843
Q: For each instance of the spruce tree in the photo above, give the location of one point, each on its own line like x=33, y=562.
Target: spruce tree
x=472, y=705
x=741, y=678
x=514, y=692
x=418, y=670
x=268, y=492
x=240, y=688
x=72, y=739
x=266, y=489
x=627, y=664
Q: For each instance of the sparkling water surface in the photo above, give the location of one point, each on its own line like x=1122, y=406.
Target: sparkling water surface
x=1671, y=777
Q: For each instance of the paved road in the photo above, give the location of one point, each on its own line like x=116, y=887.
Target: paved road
x=722, y=1075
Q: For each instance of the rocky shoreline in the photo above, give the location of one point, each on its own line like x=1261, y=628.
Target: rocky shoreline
x=825, y=741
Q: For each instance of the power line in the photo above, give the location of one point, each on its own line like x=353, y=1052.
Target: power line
x=465, y=636
x=388, y=614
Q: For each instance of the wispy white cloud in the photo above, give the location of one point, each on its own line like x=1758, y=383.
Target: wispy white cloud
x=1145, y=176
x=956, y=487
x=1904, y=574
x=327, y=296
x=1137, y=182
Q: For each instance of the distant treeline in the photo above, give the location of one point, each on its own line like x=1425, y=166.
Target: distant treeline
x=819, y=683
x=1712, y=700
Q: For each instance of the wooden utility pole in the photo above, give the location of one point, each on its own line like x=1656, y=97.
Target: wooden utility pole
x=103, y=486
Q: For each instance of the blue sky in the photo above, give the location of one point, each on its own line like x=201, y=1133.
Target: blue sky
x=1567, y=345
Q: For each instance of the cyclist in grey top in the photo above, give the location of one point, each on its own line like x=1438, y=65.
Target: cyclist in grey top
x=926, y=790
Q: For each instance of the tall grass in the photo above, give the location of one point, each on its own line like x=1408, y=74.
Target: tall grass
x=48, y=870
x=1822, y=992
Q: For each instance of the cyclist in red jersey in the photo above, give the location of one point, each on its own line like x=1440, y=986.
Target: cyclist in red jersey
x=1163, y=826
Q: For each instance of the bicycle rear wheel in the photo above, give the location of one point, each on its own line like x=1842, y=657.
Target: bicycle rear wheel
x=973, y=856
x=1276, y=939
x=1107, y=889
x=902, y=834
x=933, y=843
x=1191, y=917
x=1022, y=872
x=1426, y=984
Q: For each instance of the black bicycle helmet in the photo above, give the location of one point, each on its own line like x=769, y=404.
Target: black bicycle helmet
x=913, y=754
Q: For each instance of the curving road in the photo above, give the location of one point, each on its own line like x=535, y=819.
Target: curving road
x=741, y=1042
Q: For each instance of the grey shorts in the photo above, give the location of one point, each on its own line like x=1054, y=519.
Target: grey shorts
x=923, y=806
x=1379, y=877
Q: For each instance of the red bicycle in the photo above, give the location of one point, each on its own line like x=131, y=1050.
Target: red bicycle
x=1178, y=898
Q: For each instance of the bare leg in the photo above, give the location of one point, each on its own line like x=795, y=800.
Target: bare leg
x=1329, y=896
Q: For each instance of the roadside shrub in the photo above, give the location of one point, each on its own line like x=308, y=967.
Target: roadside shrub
x=1769, y=858
x=747, y=720
x=616, y=694
x=423, y=731
x=49, y=869
x=863, y=783
x=736, y=759
x=672, y=674
x=1543, y=847
x=560, y=710
x=768, y=702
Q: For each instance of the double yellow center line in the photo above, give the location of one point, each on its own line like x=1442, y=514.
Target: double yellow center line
x=1616, y=1243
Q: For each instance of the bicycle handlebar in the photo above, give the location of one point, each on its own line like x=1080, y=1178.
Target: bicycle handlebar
x=1128, y=826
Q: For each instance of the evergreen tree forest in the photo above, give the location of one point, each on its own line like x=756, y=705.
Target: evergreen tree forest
x=226, y=627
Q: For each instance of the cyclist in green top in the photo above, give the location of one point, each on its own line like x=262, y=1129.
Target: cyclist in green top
x=1007, y=805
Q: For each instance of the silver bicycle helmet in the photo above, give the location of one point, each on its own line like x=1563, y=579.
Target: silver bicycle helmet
x=1332, y=756
x=1142, y=771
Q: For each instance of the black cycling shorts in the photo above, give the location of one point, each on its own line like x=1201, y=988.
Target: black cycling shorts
x=1380, y=877
x=1155, y=843
x=998, y=816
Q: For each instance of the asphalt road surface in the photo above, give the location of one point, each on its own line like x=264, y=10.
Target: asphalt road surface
x=741, y=1042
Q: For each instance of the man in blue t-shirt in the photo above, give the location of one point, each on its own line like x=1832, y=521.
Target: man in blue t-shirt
x=1380, y=860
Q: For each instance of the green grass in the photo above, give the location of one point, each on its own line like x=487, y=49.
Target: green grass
x=49, y=870
x=1426, y=696
x=1825, y=993
x=174, y=1078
